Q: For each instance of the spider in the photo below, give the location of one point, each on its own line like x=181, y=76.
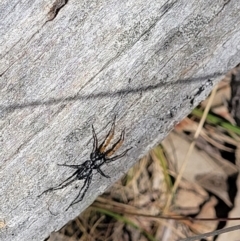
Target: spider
x=98, y=157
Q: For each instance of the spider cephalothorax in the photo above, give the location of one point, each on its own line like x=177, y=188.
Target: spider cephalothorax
x=98, y=157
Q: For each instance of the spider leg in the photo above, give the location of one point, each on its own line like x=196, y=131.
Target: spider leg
x=116, y=146
x=102, y=173
x=95, y=140
x=108, y=160
x=85, y=188
x=108, y=138
x=71, y=166
x=61, y=185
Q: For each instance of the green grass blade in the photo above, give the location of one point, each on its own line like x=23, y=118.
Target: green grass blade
x=126, y=221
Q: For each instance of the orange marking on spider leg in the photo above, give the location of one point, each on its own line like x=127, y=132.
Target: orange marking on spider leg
x=116, y=146
x=95, y=141
x=108, y=138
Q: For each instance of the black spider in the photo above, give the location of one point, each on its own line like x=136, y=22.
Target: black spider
x=98, y=157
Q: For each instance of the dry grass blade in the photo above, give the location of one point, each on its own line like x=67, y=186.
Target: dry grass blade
x=179, y=177
x=217, y=232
